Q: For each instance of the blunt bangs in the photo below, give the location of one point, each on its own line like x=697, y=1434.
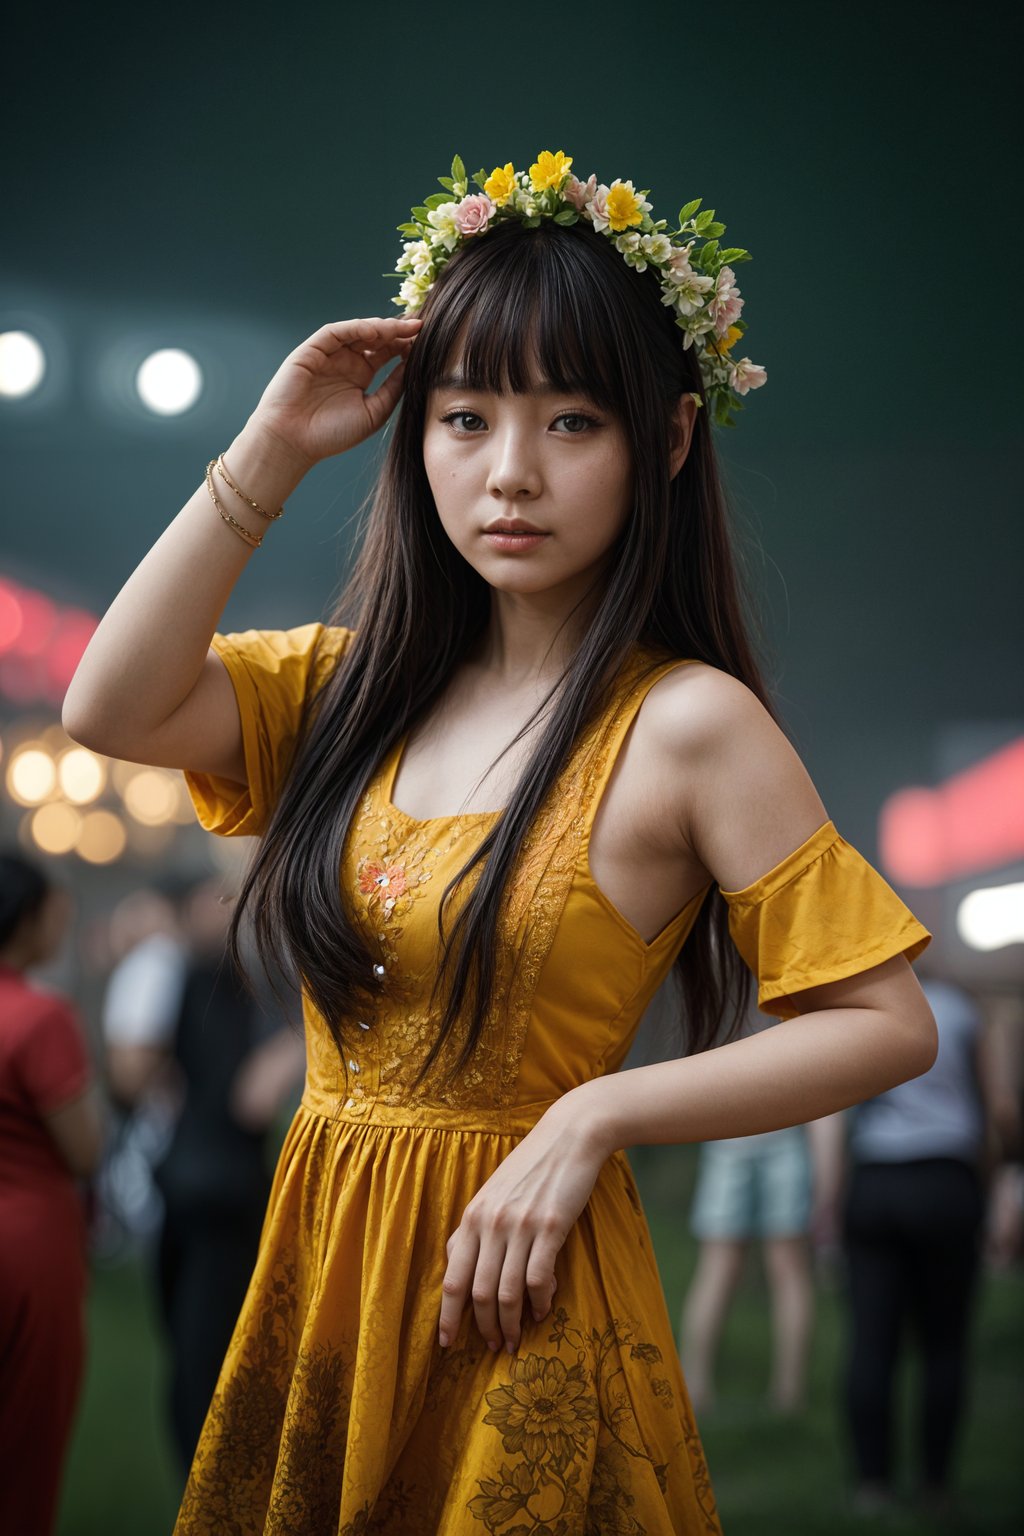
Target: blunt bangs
x=527, y=309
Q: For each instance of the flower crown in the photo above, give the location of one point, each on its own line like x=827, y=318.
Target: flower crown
x=697, y=282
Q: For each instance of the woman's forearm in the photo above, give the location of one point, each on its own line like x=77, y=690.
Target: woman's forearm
x=150, y=646
x=796, y=1071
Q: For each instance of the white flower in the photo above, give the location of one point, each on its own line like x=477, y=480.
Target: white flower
x=694, y=326
x=416, y=257
x=657, y=248
x=686, y=295
x=628, y=245
x=443, y=221
x=413, y=291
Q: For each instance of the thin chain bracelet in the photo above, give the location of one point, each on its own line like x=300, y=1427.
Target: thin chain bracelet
x=254, y=539
x=270, y=516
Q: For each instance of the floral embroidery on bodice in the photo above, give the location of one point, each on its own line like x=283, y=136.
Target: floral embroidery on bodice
x=394, y=872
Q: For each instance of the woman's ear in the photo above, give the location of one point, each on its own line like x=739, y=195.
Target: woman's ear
x=684, y=417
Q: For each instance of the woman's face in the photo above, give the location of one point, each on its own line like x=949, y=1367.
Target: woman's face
x=545, y=461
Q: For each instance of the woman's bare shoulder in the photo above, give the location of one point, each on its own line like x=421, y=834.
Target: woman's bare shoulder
x=696, y=706
x=736, y=786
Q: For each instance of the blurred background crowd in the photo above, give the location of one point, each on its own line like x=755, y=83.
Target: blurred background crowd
x=216, y=184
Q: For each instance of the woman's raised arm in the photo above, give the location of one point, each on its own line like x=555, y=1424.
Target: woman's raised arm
x=148, y=688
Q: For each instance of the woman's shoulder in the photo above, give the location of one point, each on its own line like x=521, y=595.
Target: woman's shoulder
x=697, y=708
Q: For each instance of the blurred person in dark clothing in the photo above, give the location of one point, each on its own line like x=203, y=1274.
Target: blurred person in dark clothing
x=50, y=1135
x=912, y=1222
x=236, y=1067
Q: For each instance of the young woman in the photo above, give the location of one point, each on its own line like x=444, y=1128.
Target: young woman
x=50, y=1134
x=527, y=767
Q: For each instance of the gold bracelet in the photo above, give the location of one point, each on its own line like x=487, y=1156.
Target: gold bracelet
x=255, y=539
x=270, y=516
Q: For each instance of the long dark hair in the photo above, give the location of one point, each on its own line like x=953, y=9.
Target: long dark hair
x=564, y=301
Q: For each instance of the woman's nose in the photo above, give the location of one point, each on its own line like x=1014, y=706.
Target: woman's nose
x=514, y=471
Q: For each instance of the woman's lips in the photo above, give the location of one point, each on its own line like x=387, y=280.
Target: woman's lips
x=517, y=543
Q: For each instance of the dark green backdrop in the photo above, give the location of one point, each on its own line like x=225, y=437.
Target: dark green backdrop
x=230, y=179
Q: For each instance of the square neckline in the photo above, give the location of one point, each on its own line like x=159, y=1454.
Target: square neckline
x=386, y=791
x=387, y=787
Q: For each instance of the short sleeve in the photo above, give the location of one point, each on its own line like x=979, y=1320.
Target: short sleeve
x=823, y=914
x=51, y=1064
x=271, y=671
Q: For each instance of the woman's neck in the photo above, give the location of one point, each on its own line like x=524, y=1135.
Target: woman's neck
x=531, y=638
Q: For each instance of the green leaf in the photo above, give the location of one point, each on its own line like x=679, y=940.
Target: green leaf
x=421, y=213
x=689, y=210
x=532, y=223
x=735, y=253
x=567, y=216
x=707, y=253
x=413, y=230
x=458, y=170
x=446, y=181
x=704, y=219
x=436, y=200
x=713, y=229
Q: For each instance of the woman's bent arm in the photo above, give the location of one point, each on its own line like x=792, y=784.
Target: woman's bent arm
x=148, y=688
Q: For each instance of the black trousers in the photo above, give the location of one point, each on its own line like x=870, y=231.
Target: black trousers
x=204, y=1267
x=912, y=1235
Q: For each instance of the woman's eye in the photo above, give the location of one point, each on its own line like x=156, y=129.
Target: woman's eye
x=462, y=416
x=580, y=423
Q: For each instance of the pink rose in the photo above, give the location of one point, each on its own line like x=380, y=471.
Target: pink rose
x=473, y=214
x=579, y=192
x=679, y=263
x=746, y=375
x=597, y=207
x=725, y=305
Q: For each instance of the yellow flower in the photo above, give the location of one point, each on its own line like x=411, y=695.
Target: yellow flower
x=500, y=184
x=623, y=207
x=728, y=341
x=549, y=170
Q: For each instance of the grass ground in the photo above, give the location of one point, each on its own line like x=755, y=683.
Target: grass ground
x=772, y=1476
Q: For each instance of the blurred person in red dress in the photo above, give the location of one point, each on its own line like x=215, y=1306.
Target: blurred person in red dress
x=50, y=1135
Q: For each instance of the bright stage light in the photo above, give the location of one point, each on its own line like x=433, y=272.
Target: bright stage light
x=82, y=775
x=151, y=797
x=55, y=828
x=22, y=364
x=101, y=838
x=992, y=917
x=31, y=775
x=169, y=381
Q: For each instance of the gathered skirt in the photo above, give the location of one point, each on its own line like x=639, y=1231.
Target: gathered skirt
x=337, y=1412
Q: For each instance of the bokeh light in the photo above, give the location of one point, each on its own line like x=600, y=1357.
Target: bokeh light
x=81, y=774
x=55, y=828
x=151, y=796
x=31, y=774
x=169, y=381
x=992, y=917
x=22, y=364
x=101, y=838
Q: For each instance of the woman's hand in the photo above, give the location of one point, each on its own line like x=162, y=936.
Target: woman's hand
x=512, y=1229
x=317, y=403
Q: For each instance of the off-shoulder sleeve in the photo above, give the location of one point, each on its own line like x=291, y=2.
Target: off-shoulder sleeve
x=823, y=914
x=271, y=671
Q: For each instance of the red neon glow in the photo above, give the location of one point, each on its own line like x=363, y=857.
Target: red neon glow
x=38, y=615
x=41, y=643
x=972, y=823
x=11, y=616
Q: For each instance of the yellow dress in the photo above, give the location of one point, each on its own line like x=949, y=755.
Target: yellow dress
x=336, y=1410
